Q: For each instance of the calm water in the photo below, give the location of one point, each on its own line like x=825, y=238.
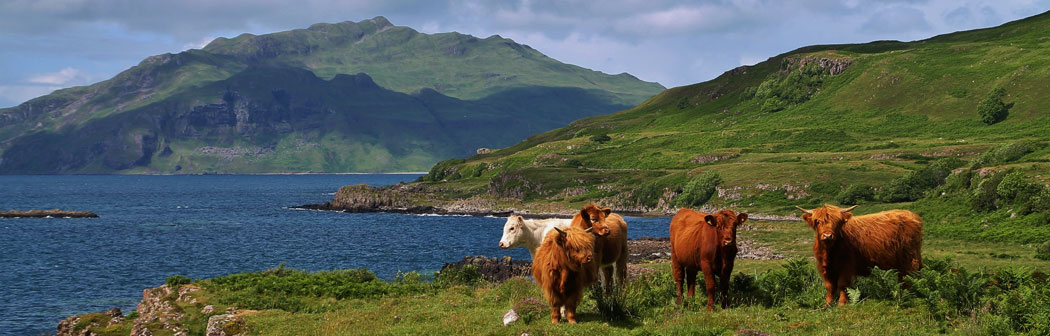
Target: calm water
x=152, y=227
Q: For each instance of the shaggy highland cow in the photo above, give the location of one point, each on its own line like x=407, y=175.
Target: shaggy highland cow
x=847, y=246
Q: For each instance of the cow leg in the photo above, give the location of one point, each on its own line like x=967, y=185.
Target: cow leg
x=709, y=282
x=570, y=309
x=723, y=281
x=607, y=279
x=678, y=274
x=830, y=287
x=844, y=282
x=621, y=266
x=555, y=313
x=690, y=278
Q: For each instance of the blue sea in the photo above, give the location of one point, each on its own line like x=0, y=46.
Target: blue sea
x=152, y=227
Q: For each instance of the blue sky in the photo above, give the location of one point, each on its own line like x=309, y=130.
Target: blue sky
x=52, y=44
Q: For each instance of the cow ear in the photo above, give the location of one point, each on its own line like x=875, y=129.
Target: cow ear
x=742, y=217
x=710, y=220
x=808, y=218
x=846, y=216
x=607, y=211
x=586, y=217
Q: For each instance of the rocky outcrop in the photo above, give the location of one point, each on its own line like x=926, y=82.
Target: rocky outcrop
x=494, y=269
x=365, y=197
x=81, y=325
x=158, y=309
x=225, y=325
x=832, y=66
x=53, y=213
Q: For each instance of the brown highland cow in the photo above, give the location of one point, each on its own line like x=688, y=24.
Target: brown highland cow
x=564, y=266
x=847, y=246
x=707, y=242
x=611, y=244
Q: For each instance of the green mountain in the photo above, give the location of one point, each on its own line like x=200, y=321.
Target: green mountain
x=347, y=97
x=886, y=121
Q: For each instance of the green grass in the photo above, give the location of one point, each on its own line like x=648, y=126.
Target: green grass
x=771, y=296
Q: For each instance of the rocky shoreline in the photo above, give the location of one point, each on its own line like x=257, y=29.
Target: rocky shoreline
x=419, y=199
x=53, y=213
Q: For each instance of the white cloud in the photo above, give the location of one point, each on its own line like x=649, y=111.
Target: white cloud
x=65, y=76
x=199, y=44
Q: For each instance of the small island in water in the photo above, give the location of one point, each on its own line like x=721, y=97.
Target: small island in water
x=53, y=213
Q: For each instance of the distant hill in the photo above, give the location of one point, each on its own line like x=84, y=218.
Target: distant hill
x=348, y=97
x=880, y=119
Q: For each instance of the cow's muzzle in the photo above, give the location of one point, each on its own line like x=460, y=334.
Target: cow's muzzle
x=827, y=236
x=502, y=245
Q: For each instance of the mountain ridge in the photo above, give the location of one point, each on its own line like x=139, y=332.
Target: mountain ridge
x=199, y=78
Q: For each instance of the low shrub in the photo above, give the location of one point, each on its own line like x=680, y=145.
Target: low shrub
x=1043, y=251
x=177, y=280
x=700, y=189
x=855, y=194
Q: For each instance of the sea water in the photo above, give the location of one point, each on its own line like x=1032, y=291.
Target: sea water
x=152, y=227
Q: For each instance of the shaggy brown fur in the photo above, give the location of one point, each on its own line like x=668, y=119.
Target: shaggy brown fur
x=706, y=242
x=563, y=267
x=611, y=244
x=847, y=246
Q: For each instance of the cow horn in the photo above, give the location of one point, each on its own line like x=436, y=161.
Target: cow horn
x=849, y=209
x=804, y=210
x=559, y=230
x=589, y=229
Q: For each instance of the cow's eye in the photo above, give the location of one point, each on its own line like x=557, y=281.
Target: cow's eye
x=511, y=229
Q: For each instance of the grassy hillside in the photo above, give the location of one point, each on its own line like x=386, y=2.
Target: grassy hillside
x=280, y=103
x=403, y=60
x=800, y=128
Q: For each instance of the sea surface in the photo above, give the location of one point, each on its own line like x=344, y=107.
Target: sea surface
x=152, y=227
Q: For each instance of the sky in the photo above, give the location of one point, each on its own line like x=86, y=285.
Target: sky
x=53, y=44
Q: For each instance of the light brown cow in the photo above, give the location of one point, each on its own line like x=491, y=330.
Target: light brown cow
x=564, y=266
x=847, y=246
x=701, y=241
x=611, y=245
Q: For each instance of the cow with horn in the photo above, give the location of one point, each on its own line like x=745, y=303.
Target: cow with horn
x=847, y=246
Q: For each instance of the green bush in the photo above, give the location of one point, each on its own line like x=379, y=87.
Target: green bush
x=992, y=109
x=1043, y=251
x=177, y=280
x=882, y=285
x=855, y=194
x=292, y=290
x=1007, y=153
x=600, y=138
x=700, y=189
x=914, y=185
x=611, y=306
x=797, y=283
x=466, y=276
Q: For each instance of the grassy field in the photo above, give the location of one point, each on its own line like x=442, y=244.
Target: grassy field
x=967, y=288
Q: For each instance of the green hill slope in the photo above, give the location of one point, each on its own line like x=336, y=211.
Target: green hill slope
x=282, y=105
x=797, y=129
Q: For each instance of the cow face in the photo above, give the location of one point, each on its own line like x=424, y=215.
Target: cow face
x=594, y=217
x=827, y=221
x=579, y=249
x=728, y=223
x=513, y=233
